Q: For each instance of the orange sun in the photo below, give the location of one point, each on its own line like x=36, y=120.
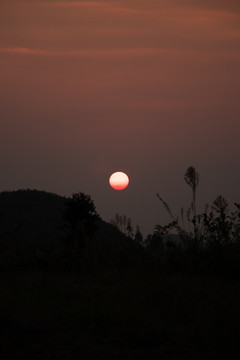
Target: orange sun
x=119, y=180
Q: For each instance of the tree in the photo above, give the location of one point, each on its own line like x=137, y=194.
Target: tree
x=81, y=219
x=129, y=228
x=138, y=237
x=222, y=227
x=123, y=224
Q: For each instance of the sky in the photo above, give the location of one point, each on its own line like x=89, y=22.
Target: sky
x=150, y=88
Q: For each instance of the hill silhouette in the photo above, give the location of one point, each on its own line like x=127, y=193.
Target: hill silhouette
x=32, y=218
x=34, y=221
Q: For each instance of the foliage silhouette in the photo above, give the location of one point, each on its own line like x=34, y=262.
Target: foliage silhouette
x=219, y=226
x=192, y=179
x=124, y=225
x=81, y=220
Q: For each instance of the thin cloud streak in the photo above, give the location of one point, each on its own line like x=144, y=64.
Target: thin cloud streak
x=188, y=55
x=65, y=4
x=154, y=9
x=86, y=53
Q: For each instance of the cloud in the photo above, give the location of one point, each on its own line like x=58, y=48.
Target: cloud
x=186, y=55
x=115, y=9
x=25, y=51
x=150, y=7
x=85, y=53
x=66, y=4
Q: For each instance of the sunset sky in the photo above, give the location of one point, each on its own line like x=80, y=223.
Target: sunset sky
x=148, y=87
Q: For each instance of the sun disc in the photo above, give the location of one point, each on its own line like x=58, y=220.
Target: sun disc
x=119, y=180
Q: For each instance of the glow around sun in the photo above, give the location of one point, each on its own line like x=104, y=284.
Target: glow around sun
x=119, y=180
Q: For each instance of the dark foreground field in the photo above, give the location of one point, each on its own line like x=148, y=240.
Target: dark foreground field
x=88, y=295
x=124, y=312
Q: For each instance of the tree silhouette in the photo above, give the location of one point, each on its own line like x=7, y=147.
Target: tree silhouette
x=221, y=226
x=129, y=228
x=138, y=237
x=81, y=218
x=123, y=224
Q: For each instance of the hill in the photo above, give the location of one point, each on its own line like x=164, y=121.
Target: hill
x=31, y=218
x=33, y=221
